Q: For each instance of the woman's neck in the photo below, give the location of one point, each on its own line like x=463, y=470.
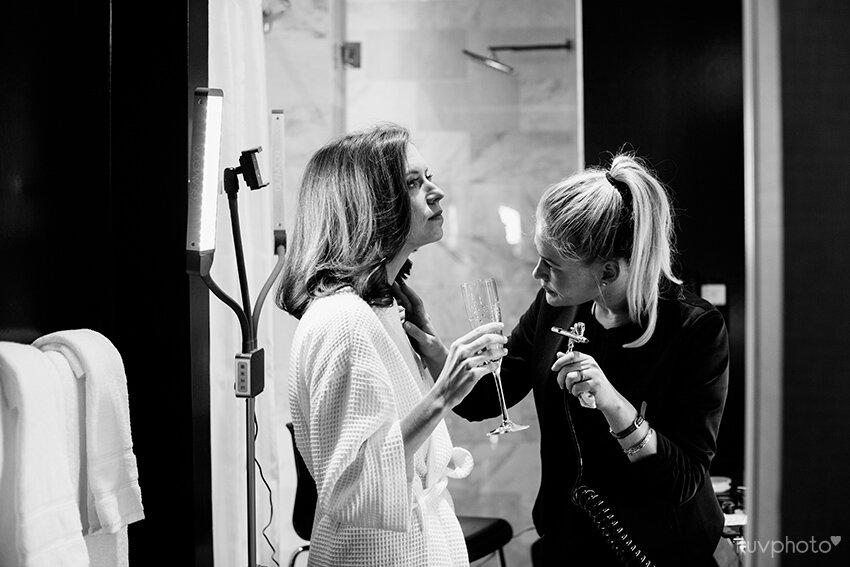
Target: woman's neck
x=610, y=317
x=394, y=266
x=611, y=308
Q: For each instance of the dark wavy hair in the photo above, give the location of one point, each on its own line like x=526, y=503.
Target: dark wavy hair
x=353, y=215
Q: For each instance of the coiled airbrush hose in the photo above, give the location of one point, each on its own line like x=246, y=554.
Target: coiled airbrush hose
x=600, y=513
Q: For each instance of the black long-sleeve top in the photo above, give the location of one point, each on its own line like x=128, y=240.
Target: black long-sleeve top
x=665, y=500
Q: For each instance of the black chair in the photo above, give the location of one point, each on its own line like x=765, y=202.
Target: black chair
x=305, y=500
x=483, y=535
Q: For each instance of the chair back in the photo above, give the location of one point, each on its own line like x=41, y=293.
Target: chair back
x=305, y=494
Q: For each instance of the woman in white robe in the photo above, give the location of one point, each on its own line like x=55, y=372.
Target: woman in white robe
x=368, y=417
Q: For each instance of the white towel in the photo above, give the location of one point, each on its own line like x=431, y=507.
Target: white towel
x=72, y=392
x=105, y=550
x=48, y=528
x=114, y=496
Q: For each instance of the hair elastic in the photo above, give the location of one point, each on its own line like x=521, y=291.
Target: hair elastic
x=623, y=235
x=622, y=187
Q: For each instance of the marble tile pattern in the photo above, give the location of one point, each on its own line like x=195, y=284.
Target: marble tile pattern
x=304, y=79
x=494, y=142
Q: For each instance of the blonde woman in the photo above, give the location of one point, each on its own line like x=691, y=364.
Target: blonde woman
x=653, y=375
x=368, y=417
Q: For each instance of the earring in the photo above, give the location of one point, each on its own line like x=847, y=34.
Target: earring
x=604, y=284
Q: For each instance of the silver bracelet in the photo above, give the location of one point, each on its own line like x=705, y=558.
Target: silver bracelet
x=639, y=445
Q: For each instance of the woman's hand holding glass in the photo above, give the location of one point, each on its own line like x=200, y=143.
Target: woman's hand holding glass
x=579, y=373
x=481, y=299
x=469, y=358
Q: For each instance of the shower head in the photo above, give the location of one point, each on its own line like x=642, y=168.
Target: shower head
x=491, y=62
x=494, y=63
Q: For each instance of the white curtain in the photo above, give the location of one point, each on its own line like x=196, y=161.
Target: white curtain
x=237, y=66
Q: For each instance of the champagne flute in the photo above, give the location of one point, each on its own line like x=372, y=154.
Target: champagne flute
x=482, y=306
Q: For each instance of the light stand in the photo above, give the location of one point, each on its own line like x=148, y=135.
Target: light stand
x=250, y=363
x=200, y=248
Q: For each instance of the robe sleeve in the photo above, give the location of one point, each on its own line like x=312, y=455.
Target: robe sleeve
x=355, y=431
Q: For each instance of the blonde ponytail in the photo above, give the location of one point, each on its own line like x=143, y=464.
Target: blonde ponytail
x=650, y=261
x=620, y=213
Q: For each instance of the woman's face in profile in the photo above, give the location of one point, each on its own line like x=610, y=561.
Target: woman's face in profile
x=426, y=223
x=566, y=282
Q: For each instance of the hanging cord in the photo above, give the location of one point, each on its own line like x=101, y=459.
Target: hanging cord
x=271, y=502
x=600, y=513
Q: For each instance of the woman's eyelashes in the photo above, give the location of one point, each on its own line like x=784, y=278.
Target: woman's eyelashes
x=418, y=180
x=550, y=266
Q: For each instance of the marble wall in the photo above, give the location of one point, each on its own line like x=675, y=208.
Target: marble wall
x=304, y=79
x=493, y=141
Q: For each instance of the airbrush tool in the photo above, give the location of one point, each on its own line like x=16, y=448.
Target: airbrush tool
x=576, y=335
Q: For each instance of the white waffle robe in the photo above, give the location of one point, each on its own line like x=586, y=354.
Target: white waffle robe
x=353, y=377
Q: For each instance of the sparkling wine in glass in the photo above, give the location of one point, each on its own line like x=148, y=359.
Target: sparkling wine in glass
x=482, y=306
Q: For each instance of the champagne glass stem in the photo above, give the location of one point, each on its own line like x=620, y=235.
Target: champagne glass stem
x=501, y=392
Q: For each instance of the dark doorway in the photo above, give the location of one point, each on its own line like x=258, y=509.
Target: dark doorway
x=666, y=81
x=94, y=128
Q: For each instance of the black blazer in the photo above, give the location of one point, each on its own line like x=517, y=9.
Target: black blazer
x=665, y=501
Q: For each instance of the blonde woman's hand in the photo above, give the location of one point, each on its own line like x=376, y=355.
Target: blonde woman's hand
x=469, y=358
x=579, y=373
